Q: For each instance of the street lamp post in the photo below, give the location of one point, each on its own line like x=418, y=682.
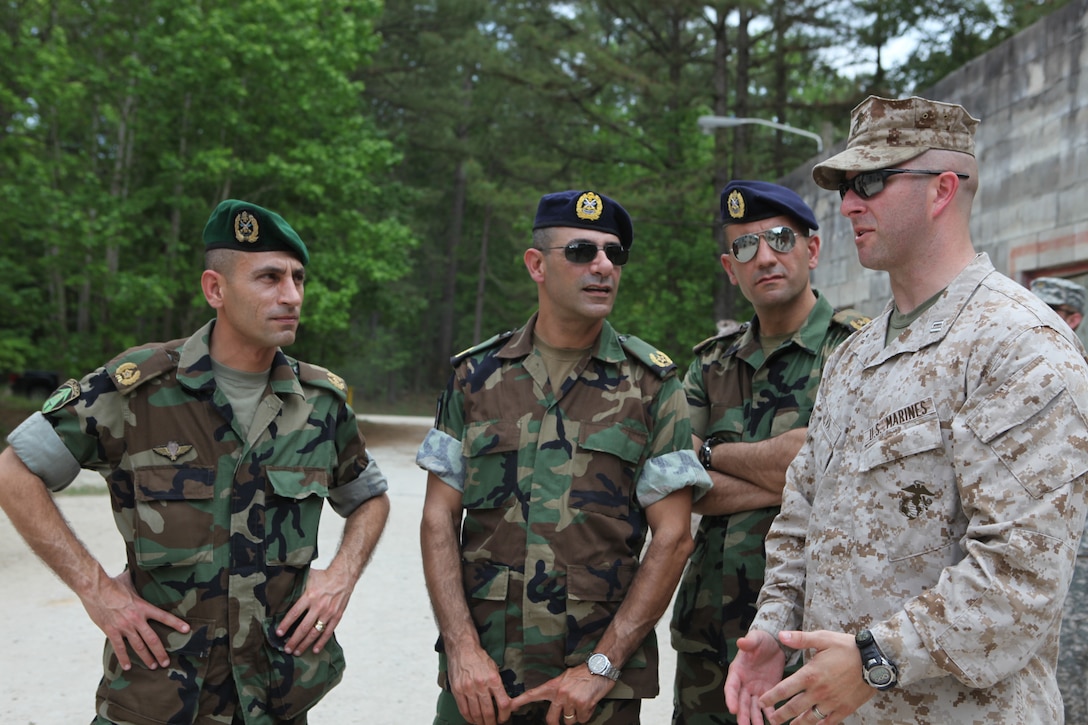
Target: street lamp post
x=709, y=122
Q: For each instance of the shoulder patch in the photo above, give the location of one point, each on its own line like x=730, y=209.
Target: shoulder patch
x=320, y=377
x=491, y=342
x=730, y=332
x=648, y=355
x=135, y=367
x=62, y=396
x=849, y=317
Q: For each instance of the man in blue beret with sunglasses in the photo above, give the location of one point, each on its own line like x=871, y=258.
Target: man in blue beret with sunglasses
x=750, y=391
x=930, y=523
x=555, y=450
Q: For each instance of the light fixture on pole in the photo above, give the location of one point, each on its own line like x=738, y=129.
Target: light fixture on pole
x=709, y=122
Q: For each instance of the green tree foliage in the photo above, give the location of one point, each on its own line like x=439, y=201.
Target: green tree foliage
x=126, y=122
x=409, y=144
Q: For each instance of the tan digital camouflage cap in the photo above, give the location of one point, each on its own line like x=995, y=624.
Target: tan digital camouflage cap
x=885, y=132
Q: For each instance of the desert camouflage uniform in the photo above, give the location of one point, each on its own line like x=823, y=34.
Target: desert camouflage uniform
x=219, y=530
x=939, y=501
x=737, y=394
x=554, y=485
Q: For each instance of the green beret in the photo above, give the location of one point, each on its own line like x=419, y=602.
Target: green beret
x=247, y=227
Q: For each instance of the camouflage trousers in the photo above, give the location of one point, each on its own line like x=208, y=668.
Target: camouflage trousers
x=237, y=720
x=609, y=712
x=698, y=692
x=1073, y=647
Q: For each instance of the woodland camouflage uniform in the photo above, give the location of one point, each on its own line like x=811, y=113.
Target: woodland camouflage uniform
x=554, y=484
x=738, y=394
x=219, y=529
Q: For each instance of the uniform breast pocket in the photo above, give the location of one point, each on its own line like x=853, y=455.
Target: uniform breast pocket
x=913, y=495
x=603, y=468
x=294, y=513
x=175, y=519
x=491, y=449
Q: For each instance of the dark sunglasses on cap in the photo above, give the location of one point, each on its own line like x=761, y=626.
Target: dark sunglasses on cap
x=584, y=252
x=780, y=239
x=868, y=184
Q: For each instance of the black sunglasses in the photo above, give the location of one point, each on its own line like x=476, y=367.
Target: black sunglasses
x=584, y=252
x=780, y=239
x=868, y=184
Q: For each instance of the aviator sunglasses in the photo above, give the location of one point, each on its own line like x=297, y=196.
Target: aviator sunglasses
x=870, y=183
x=584, y=252
x=780, y=239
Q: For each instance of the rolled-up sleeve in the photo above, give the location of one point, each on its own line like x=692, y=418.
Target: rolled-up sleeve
x=43, y=452
x=441, y=454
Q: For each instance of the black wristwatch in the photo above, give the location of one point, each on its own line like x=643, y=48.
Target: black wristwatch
x=878, y=670
x=704, y=451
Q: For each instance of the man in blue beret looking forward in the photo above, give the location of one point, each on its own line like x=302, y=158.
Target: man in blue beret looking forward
x=930, y=522
x=555, y=449
x=218, y=451
x=751, y=390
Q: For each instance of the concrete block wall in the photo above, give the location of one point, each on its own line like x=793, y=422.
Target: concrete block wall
x=1031, y=212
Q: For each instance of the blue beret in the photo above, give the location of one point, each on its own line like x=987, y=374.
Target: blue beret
x=584, y=210
x=750, y=201
x=247, y=227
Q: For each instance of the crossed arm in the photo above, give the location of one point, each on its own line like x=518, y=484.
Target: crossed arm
x=748, y=475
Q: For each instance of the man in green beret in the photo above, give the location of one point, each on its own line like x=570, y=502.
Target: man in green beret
x=218, y=451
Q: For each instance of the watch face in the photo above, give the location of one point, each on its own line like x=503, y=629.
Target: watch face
x=880, y=675
x=597, y=663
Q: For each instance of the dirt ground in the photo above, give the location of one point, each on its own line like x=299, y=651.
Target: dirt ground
x=52, y=655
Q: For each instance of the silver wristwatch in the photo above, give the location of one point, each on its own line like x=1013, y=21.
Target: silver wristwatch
x=600, y=665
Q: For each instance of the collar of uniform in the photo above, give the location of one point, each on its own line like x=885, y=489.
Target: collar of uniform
x=809, y=337
x=195, y=365
x=607, y=348
x=935, y=322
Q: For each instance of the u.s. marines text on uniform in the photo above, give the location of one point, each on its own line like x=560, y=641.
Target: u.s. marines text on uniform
x=940, y=495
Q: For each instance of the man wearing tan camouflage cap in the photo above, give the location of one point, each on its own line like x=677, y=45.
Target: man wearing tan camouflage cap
x=930, y=523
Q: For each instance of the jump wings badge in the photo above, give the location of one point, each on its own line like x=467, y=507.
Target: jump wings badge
x=246, y=228
x=589, y=207
x=173, y=449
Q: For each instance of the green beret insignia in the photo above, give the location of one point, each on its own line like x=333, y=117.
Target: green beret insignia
x=589, y=207
x=246, y=227
x=62, y=396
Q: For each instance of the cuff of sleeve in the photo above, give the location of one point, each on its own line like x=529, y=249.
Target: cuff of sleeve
x=43, y=452
x=900, y=642
x=441, y=454
x=669, y=473
x=370, y=483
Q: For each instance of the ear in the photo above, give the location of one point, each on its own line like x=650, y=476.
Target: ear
x=534, y=262
x=947, y=186
x=1074, y=320
x=727, y=265
x=813, y=251
x=211, y=283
